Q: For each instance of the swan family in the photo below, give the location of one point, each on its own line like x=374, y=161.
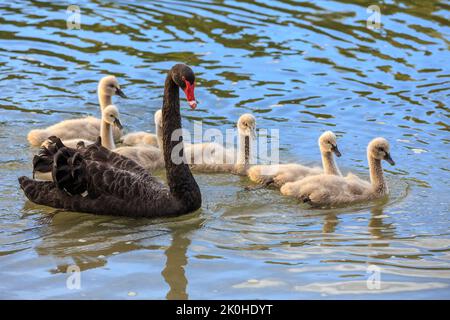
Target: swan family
x=80, y=168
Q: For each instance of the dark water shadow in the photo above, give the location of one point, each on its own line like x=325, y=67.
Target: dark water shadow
x=106, y=236
x=377, y=227
x=174, y=272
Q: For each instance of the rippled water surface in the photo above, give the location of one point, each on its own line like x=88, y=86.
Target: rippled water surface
x=301, y=67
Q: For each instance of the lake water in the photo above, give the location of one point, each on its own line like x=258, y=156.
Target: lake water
x=300, y=67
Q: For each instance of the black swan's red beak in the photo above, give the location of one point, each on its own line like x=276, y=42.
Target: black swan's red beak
x=189, y=91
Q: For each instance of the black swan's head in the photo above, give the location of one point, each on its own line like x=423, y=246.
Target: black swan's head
x=184, y=77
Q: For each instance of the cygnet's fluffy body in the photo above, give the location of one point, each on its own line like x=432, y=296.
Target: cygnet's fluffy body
x=150, y=157
x=214, y=158
x=279, y=174
x=87, y=128
x=330, y=190
x=146, y=138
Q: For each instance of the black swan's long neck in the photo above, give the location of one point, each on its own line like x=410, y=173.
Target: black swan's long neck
x=179, y=177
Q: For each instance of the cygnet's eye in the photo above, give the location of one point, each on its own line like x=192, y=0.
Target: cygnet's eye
x=111, y=86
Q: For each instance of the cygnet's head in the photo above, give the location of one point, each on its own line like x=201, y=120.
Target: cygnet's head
x=328, y=143
x=247, y=125
x=379, y=149
x=109, y=86
x=111, y=115
x=158, y=119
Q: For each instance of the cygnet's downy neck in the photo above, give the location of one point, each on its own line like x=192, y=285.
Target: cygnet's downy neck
x=103, y=99
x=106, y=134
x=377, y=176
x=329, y=165
x=246, y=144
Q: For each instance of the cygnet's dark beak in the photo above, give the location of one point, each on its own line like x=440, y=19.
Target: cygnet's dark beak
x=336, y=151
x=120, y=93
x=118, y=124
x=388, y=158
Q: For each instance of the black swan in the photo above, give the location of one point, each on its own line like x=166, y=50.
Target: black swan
x=96, y=180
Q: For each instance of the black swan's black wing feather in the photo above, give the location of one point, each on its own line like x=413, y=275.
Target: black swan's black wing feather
x=96, y=152
x=43, y=161
x=48, y=194
x=41, y=192
x=104, y=183
x=69, y=171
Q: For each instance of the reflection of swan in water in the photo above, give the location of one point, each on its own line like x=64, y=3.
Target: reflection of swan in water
x=60, y=233
x=330, y=221
x=74, y=239
x=378, y=229
x=176, y=253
